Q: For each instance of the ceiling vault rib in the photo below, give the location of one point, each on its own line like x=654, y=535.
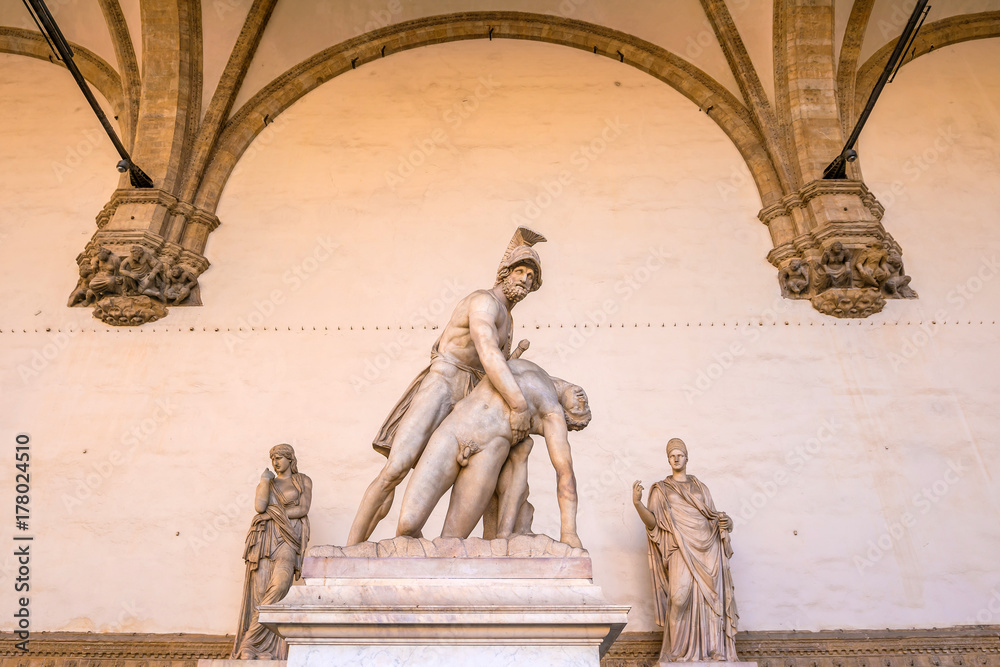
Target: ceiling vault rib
x=782, y=96
x=748, y=81
x=847, y=68
x=945, y=32
x=192, y=46
x=225, y=94
x=128, y=67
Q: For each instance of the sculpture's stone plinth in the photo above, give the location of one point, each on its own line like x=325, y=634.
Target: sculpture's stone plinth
x=481, y=602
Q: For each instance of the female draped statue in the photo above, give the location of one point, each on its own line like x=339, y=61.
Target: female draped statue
x=689, y=554
x=275, y=546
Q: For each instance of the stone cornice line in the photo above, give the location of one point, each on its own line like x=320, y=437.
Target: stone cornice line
x=817, y=188
x=225, y=93
x=128, y=67
x=980, y=645
x=160, y=197
x=948, y=31
x=721, y=105
x=749, y=83
x=95, y=69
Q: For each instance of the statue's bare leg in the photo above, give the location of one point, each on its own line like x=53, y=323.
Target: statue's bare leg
x=474, y=488
x=435, y=473
x=512, y=487
x=430, y=406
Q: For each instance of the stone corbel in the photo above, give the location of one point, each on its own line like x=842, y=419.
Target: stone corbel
x=834, y=250
x=152, y=258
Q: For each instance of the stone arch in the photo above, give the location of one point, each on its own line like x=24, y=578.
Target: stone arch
x=95, y=69
x=721, y=105
x=952, y=30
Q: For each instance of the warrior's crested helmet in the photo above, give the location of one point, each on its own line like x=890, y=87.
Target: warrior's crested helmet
x=519, y=251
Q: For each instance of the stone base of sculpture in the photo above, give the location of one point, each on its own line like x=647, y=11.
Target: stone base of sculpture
x=241, y=663
x=447, y=601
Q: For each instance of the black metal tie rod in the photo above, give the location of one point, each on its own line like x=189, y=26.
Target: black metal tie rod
x=838, y=168
x=53, y=35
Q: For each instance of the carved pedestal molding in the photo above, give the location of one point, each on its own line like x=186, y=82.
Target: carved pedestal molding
x=836, y=253
x=528, y=601
x=172, y=232
x=964, y=646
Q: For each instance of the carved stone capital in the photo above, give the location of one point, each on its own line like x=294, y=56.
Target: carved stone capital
x=833, y=239
x=129, y=311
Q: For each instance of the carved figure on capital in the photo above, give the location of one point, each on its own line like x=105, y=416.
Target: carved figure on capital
x=105, y=269
x=897, y=284
x=275, y=547
x=180, y=282
x=142, y=273
x=83, y=294
x=794, y=279
x=870, y=265
x=689, y=551
x=836, y=263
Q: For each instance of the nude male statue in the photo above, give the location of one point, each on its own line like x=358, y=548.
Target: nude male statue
x=475, y=343
x=469, y=449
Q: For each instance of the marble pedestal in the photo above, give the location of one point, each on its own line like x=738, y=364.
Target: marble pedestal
x=411, y=601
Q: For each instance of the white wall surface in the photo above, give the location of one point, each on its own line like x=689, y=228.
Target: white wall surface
x=817, y=435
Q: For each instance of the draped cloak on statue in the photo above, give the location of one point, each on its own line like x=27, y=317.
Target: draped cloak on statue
x=274, y=543
x=692, y=585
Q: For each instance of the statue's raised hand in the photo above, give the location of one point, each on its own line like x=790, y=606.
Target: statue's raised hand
x=267, y=475
x=636, y=492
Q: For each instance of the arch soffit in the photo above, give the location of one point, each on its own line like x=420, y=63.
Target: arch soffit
x=95, y=69
x=721, y=105
x=952, y=30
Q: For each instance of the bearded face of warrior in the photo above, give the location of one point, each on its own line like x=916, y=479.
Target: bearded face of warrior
x=517, y=282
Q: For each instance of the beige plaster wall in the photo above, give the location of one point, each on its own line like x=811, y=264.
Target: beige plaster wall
x=818, y=436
